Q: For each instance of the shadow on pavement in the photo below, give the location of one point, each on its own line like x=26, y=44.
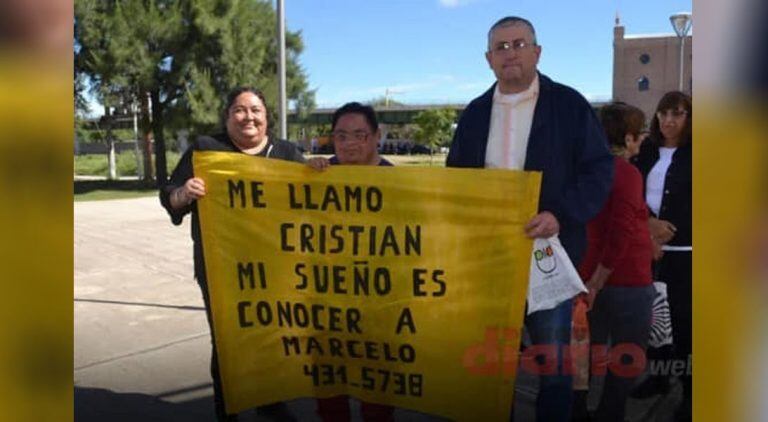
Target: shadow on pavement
x=146, y=304
x=98, y=404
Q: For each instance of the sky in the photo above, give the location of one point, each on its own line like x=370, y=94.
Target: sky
x=432, y=51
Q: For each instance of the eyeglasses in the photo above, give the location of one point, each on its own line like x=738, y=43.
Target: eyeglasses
x=516, y=45
x=343, y=136
x=671, y=114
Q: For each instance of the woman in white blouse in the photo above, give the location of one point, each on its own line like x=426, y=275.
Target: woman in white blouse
x=665, y=163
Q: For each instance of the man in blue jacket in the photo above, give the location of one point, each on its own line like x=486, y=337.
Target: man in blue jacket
x=526, y=121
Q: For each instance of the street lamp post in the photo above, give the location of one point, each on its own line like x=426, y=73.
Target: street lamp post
x=681, y=22
x=281, y=69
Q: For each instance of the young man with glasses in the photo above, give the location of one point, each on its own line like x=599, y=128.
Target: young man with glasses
x=526, y=121
x=355, y=134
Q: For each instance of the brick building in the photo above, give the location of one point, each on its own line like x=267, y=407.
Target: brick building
x=647, y=66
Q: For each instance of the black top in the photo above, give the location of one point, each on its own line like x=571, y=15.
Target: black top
x=279, y=149
x=676, y=200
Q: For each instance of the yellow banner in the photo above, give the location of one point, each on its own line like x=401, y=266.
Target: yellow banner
x=401, y=286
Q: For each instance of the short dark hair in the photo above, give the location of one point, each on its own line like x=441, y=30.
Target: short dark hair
x=618, y=120
x=232, y=96
x=670, y=101
x=511, y=21
x=355, y=107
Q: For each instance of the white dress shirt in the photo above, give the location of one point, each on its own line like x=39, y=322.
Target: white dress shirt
x=511, y=119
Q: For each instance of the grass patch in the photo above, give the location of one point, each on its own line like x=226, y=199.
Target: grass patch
x=104, y=195
x=97, y=164
x=96, y=190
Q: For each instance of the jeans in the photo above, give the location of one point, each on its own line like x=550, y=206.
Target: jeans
x=553, y=328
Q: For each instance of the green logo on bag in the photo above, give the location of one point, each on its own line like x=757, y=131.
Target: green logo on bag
x=545, y=259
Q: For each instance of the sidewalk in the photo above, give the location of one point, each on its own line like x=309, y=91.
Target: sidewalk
x=142, y=347
x=140, y=329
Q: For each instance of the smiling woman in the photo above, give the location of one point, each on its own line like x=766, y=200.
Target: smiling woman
x=244, y=119
x=246, y=122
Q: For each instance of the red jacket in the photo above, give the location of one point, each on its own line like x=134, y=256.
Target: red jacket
x=619, y=237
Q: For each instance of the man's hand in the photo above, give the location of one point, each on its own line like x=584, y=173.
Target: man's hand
x=662, y=231
x=543, y=225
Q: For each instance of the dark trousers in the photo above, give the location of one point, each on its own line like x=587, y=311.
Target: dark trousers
x=218, y=394
x=337, y=409
x=621, y=315
x=675, y=269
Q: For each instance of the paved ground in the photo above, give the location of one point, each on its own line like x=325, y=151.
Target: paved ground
x=142, y=346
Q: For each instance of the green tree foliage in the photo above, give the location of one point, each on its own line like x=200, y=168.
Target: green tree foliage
x=302, y=106
x=434, y=127
x=82, y=108
x=183, y=55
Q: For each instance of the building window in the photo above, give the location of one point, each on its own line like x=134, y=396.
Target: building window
x=645, y=58
x=643, y=84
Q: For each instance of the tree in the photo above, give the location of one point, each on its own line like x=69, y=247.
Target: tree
x=176, y=59
x=434, y=127
x=302, y=108
x=82, y=109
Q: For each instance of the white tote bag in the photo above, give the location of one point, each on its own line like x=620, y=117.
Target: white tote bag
x=553, y=278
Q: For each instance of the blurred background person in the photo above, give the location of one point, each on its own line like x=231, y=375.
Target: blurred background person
x=41, y=26
x=665, y=163
x=246, y=131
x=617, y=265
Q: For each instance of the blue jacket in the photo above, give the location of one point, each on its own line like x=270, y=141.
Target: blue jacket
x=567, y=144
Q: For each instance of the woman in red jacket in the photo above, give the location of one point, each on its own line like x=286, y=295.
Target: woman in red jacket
x=617, y=266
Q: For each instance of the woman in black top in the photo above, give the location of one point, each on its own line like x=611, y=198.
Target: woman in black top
x=665, y=163
x=245, y=124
